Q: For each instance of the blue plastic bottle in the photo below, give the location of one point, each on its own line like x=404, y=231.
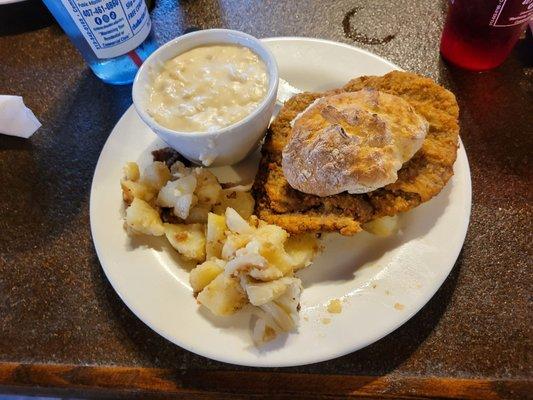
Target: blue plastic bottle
x=112, y=35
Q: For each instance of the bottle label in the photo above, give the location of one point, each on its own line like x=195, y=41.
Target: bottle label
x=511, y=14
x=111, y=27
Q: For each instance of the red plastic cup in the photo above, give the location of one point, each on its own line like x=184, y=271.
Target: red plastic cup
x=479, y=34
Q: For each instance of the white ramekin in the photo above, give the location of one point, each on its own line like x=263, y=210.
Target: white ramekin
x=225, y=146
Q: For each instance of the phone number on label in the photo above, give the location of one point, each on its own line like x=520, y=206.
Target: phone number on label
x=108, y=6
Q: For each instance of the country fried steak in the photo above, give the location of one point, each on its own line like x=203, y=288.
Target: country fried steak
x=420, y=178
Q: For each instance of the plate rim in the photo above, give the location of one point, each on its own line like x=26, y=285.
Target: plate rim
x=310, y=360
x=330, y=42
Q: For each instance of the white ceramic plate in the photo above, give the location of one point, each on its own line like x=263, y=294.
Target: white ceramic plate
x=382, y=282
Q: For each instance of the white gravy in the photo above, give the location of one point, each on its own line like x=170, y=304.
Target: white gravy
x=208, y=88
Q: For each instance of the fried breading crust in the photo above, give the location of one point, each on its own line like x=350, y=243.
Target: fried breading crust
x=419, y=180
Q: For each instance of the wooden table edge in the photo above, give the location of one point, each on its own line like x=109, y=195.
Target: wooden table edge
x=90, y=381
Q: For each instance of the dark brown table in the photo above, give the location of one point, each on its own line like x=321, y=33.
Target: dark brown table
x=63, y=330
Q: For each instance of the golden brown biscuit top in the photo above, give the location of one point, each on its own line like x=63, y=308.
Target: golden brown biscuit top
x=353, y=142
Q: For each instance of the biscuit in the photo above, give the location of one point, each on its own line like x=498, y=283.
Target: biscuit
x=352, y=141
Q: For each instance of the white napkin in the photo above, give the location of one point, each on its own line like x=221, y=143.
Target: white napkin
x=15, y=118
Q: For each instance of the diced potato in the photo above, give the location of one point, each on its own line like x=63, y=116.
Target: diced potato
x=135, y=189
x=156, y=175
x=208, y=189
x=198, y=215
x=169, y=194
x=302, y=249
x=272, y=234
x=236, y=223
x=271, y=239
x=216, y=226
x=188, y=240
x=179, y=170
x=233, y=243
x=179, y=195
x=142, y=218
x=203, y=274
x=277, y=257
x=384, y=226
x=245, y=259
x=260, y=293
x=282, y=312
x=183, y=205
x=131, y=171
x=262, y=332
x=223, y=296
x=242, y=202
x=270, y=273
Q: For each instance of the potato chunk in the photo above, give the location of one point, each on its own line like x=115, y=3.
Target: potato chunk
x=179, y=170
x=236, y=222
x=260, y=293
x=216, y=226
x=302, y=249
x=223, y=296
x=135, y=189
x=242, y=202
x=188, y=240
x=142, y=218
x=131, y=171
x=279, y=314
x=179, y=195
x=208, y=189
x=384, y=226
x=233, y=243
x=203, y=274
x=282, y=312
x=156, y=175
x=277, y=258
x=197, y=215
x=273, y=234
